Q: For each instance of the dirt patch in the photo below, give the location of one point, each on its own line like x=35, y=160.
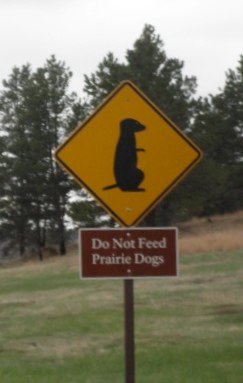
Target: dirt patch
x=228, y=309
x=19, y=303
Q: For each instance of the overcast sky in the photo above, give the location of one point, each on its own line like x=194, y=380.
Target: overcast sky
x=206, y=34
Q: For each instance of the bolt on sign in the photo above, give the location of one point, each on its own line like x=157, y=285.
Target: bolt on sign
x=128, y=154
x=128, y=253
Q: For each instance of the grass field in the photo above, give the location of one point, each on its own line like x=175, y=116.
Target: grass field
x=55, y=328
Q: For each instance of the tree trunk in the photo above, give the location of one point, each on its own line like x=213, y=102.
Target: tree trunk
x=21, y=245
x=40, y=253
x=62, y=245
x=39, y=241
x=21, y=239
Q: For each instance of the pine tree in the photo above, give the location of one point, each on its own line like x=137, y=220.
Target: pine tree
x=36, y=111
x=160, y=78
x=218, y=127
x=14, y=119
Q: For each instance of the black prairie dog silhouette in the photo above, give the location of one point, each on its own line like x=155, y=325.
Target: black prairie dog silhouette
x=128, y=177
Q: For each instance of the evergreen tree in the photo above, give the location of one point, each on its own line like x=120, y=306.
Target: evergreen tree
x=52, y=113
x=36, y=111
x=87, y=213
x=218, y=127
x=161, y=79
x=99, y=84
x=14, y=196
x=228, y=104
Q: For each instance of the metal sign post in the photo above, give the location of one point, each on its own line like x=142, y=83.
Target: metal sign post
x=129, y=331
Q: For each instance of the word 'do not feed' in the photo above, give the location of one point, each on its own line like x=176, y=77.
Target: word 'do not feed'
x=123, y=253
x=121, y=243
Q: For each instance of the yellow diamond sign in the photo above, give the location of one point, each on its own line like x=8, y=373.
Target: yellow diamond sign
x=128, y=154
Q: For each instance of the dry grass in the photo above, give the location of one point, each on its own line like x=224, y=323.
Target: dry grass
x=221, y=233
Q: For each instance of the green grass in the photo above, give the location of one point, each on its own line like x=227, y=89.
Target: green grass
x=56, y=328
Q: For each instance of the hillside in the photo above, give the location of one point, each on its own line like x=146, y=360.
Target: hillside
x=57, y=328
x=221, y=233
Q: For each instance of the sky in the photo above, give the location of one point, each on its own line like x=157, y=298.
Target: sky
x=206, y=34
